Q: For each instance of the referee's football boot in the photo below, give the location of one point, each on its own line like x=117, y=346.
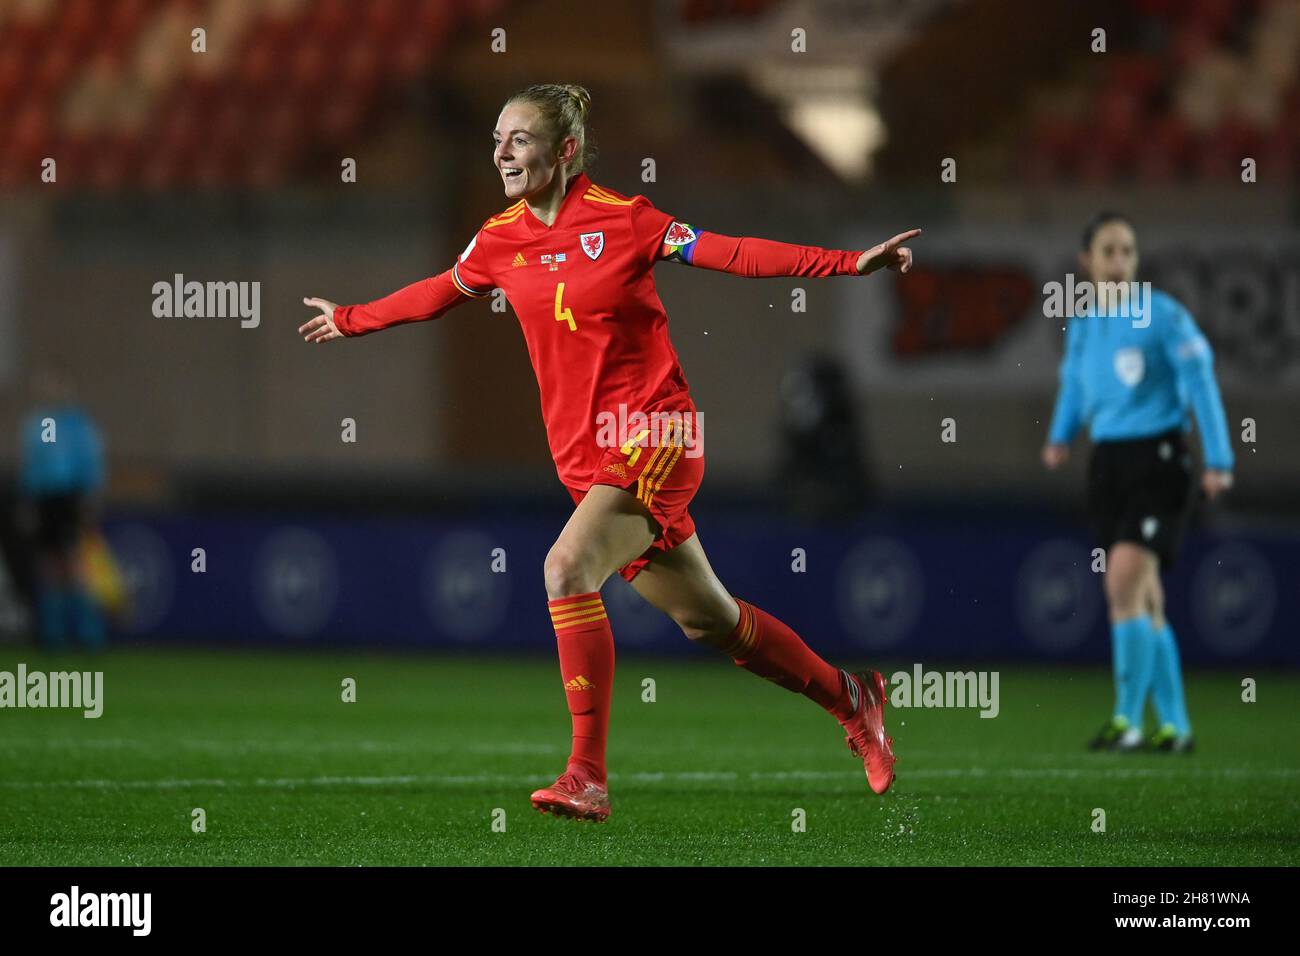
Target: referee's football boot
x=1167, y=741
x=1116, y=735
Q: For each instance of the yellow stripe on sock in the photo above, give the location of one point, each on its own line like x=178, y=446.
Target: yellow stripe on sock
x=567, y=611
x=599, y=616
x=747, y=633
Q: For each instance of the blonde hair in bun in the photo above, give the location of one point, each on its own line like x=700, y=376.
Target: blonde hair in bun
x=564, y=108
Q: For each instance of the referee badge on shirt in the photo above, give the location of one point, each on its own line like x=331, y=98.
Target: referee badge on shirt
x=593, y=244
x=1130, y=366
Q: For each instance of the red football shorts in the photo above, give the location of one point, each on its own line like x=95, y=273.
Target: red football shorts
x=662, y=467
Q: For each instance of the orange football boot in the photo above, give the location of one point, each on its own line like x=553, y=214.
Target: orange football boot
x=573, y=795
x=865, y=731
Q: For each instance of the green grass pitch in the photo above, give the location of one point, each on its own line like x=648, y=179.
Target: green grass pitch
x=711, y=772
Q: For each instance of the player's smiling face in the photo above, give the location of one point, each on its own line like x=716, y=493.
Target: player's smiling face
x=522, y=154
x=1113, y=255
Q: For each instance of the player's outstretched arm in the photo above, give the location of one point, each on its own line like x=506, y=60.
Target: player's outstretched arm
x=759, y=258
x=662, y=237
x=756, y=258
x=418, y=302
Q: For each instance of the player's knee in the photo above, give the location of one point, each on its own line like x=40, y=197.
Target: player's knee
x=1123, y=593
x=565, y=574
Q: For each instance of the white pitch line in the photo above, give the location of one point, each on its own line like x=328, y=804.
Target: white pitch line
x=724, y=776
x=281, y=746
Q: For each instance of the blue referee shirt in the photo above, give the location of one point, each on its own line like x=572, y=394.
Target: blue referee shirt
x=71, y=464
x=1128, y=382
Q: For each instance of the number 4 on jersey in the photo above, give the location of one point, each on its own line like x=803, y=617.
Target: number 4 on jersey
x=563, y=314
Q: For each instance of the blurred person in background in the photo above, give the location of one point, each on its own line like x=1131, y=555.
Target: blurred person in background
x=61, y=476
x=1133, y=381
x=821, y=464
x=575, y=260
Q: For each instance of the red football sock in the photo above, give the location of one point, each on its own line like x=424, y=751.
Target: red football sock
x=764, y=646
x=586, y=645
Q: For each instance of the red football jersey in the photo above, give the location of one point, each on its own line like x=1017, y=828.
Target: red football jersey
x=584, y=293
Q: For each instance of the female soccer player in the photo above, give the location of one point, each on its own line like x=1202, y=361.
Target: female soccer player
x=1131, y=377
x=575, y=259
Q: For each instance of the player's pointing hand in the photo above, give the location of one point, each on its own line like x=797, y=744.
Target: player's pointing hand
x=890, y=254
x=321, y=328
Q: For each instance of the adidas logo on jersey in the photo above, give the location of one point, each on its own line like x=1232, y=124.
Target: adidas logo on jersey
x=519, y=260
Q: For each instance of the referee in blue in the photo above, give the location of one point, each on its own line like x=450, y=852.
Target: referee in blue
x=62, y=473
x=1131, y=371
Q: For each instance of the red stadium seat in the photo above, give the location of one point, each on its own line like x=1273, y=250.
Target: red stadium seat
x=1162, y=152
x=384, y=19
x=341, y=116
x=1140, y=73
x=308, y=69
x=79, y=26
x=14, y=75
x=331, y=20
x=434, y=19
